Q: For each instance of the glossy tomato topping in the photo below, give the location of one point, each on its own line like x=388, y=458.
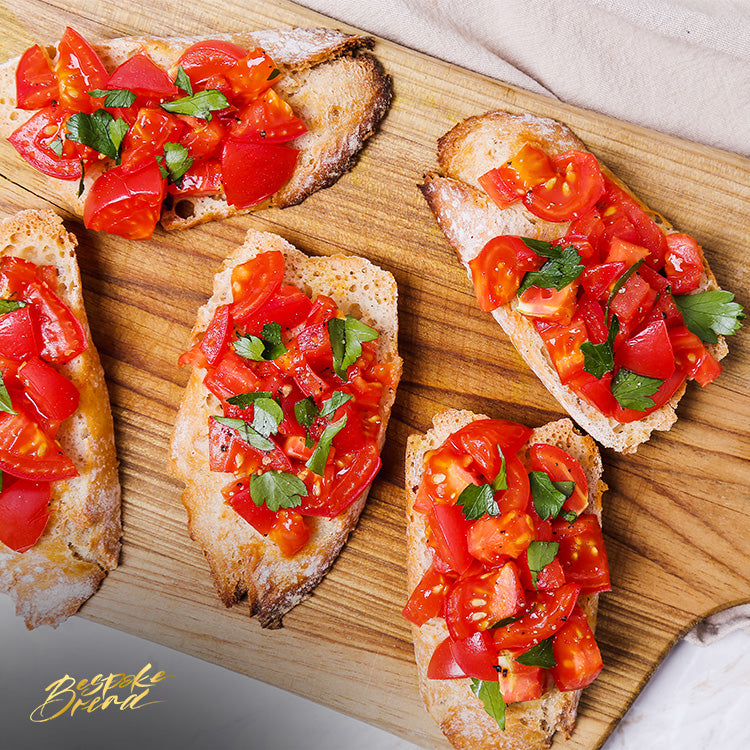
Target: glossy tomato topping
x=511, y=560
x=299, y=439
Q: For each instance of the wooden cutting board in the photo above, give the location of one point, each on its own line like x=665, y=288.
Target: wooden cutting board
x=677, y=516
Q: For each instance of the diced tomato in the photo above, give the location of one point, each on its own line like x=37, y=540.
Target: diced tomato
x=428, y=597
x=290, y=533
x=59, y=330
x=590, y=226
x=478, y=600
x=28, y=453
x=622, y=251
x=322, y=310
x=216, y=338
x=449, y=527
x=231, y=376
x=202, y=138
x=518, y=682
x=563, y=344
x=560, y=466
x=499, y=268
x=18, y=337
x=447, y=474
x=229, y=452
x=582, y=553
x=572, y=192
x=547, y=612
x=664, y=307
x=553, y=305
x=599, y=280
x=33, y=140
x=24, y=511
x=144, y=141
x=691, y=356
x=482, y=438
x=315, y=345
x=498, y=189
x=79, y=70
x=684, y=263
x=255, y=282
x=632, y=303
x=251, y=76
x=348, y=485
x=476, y=656
x=202, y=178
x=528, y=168
x=648, y=352
x=619, y=209
x=36, y=82
x=52, y=393
x=516, y=497
x=551, y=576
x=288, y=307
x=141, y=75
x=252, y=172
x=592, y=313
x=260, y=517
x=267, y=119
x=577, y=656
x=443, y=664
x=494, y=538
x=206, y=60
x=126, y=203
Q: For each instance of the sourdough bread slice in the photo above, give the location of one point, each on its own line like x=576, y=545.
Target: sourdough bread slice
x=469, y=219
x=332, y=81
x=460, y=714
x=81, y=542
x=242, y=561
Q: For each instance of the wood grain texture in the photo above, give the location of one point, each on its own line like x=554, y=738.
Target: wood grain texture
x=677, y=516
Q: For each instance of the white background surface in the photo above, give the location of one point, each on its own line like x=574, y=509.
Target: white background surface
x=698, y=700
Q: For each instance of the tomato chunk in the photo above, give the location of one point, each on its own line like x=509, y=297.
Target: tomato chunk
x=52, y=393
x=577, y=656
x=560, y=466
x=36, y=82
x=427, y=599
x=582, y=553
x=684, y=263
x=79, y=70
x=24, y=512
x=518, y=682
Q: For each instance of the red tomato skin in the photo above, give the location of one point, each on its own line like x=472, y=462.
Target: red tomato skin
x=32, y=141
x=268, y=119
x=691, y=356
x=577, y=656
x=202, y=138
x=202, y=179
x=252, y=172
x=255, y=282
x=18, y=337
x=23, y=513
x=582, y=553
x=551, y=305
x=518, y=682
x=126, y=203
x=208, y=58
x=428, y=597
x=258, y=516
x=216, y=338
x=476, y=656
x=141, y=75
x=684, y=263
x=499, y=268
x=290, y=532
x=560, y=466
x=289, y=307
x=27, y=452
x=481, y=438
x=648, y=352
x=151, y=129
x=36, y=82
x=548, y=612
x=79, y=70
x=449, y=528
x=577, y=186
x=443, y=664
x=502, y=194
x=57, y=327
x=563, y=343
x=52, y=393
x=492, y=539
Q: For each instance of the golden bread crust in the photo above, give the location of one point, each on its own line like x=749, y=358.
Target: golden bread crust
x=81, y=542
x=242, y=561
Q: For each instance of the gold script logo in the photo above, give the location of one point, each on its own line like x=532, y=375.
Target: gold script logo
x=125, y=691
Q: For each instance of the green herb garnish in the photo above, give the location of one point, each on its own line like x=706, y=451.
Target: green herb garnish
x=277, y=489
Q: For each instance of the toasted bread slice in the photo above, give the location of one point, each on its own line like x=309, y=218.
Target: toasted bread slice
x=81, y=542
x=333, y=83
x=241, y=560
x=469, y=219
x=460, y=715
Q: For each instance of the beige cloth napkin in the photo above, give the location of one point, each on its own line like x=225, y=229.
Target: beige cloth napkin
x=677, y=66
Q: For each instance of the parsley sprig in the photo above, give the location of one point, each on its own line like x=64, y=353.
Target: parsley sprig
x=562, y=268
x=710, y=314
x=492, y=699
x=200, y=104
x=268, y=346
x=476, y=500
x=347, y=336
x=539, y=555
x=277, y=490
x=99, y=130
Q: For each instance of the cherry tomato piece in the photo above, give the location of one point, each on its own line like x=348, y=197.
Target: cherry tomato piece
x=52, y=393
x=648, y=352
x=577, y=656
x=518, y=682
x=24, y=511
x=480, y=439
x=267, y=119
x=684, y=263
x=36, y=82
x=582, y=553
x=560, y=466
x=290, y=532
x=428, y=597
x=18, y=337
x=255, y=282
x=79, y=70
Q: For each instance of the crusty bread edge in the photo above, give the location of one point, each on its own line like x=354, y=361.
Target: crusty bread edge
x=274, y=584
x=460, y=715
x=81, y=542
